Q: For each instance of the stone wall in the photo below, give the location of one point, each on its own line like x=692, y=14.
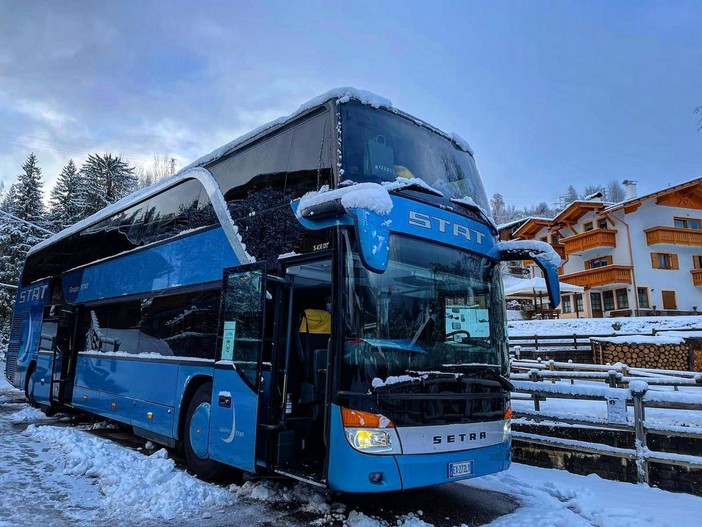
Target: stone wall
x=650, y=352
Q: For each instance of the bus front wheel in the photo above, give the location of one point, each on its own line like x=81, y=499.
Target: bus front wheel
x=196, y=437
x=29, y=386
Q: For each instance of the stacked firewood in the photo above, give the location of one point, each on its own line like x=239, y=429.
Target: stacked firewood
x=660, y=356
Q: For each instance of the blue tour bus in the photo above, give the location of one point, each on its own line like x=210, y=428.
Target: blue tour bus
x=319, y=299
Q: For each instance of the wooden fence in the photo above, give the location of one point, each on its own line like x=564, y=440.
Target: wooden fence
x=637, y=394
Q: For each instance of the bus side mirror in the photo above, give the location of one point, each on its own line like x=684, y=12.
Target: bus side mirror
x=544, y=256
x=372, y=228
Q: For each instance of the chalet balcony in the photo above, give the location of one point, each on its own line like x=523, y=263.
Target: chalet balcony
x=590, y=240
x=601, y=276
x=697, y=277
x=673, y=236
x=560, y=249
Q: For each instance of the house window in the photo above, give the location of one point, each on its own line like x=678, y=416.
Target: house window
x=579, y=303
x=588, y=226
x=664, y=261
x=598, y=262
x=669, y=301
x=602, y=224
x=622, y=299
x=697, y=262
x=595, y=302
x=608, y=297
x=567, y=304
x=687, y=223
x=643, y=297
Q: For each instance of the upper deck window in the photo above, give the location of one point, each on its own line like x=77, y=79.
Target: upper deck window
x=380, y=146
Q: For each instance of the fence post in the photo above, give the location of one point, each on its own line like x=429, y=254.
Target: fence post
x=552, y=367
x=612, y=378
x=534, y=377
x=575, y=341
x=637, y=393
x=536, y=342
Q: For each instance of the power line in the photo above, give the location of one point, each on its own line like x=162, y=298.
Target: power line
x=33, y=225
x=8, y=286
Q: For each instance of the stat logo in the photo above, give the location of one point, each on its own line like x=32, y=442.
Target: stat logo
x=33, y=294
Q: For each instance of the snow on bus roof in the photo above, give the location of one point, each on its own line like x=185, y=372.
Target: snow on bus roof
x=343, y=95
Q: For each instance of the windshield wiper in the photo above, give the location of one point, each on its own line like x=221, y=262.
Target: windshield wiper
x=413, y=185
x=490, y=370
x=420, y=379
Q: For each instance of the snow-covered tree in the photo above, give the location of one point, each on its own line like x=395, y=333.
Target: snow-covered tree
x=592, y=189
x=23, y=201
x=106, y=179
x=66, y=204
x=497, y=206
x=615, y=192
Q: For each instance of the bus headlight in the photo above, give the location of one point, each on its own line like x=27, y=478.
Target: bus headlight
x=370, y=433
x=373, y=440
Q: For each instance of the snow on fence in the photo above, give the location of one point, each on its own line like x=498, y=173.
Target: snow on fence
x=573, y=341
x=617, y=399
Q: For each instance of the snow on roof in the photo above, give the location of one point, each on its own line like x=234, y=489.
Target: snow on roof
x=614, y=206
x=342, y=95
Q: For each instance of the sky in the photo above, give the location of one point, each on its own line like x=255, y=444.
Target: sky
x=549, y=94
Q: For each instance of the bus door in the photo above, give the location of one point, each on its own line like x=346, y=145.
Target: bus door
x=238, y=375
x=63, y=367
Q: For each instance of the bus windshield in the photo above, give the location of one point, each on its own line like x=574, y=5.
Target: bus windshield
x=380, y=146
x=435, y=310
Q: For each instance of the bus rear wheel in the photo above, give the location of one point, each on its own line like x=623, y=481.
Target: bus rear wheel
x=196, y=436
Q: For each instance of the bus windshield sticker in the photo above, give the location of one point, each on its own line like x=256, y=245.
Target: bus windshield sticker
x=228, y=340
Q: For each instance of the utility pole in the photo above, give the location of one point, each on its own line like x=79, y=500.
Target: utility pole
x=29, y=223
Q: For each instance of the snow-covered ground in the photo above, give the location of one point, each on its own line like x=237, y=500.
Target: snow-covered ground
x=603, y=326
x=54, y=474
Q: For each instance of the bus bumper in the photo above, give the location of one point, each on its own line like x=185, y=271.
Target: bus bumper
x=353, y=471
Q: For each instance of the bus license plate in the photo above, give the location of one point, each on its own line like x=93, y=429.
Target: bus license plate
x=456, y=470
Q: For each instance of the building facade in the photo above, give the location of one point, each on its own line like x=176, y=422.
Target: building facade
x=640, y=257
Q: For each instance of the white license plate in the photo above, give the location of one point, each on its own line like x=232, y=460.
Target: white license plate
x=457, y=470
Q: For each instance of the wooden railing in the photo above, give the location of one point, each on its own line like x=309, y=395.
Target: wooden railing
x=609, y=274
x=673, y=236
x=534, y=385
x=696, y=276
x=590, y=240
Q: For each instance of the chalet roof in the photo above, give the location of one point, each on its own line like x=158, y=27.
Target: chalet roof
x=577, y=209
x=531, y=226
x=693, y=188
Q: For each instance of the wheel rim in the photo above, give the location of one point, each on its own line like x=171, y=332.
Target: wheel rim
x=200, y=431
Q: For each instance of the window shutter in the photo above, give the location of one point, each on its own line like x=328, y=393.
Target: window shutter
x=674, y=261
x=654, y=260
x=609, y=260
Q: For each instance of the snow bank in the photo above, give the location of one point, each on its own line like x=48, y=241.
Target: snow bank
x=26, y=414
x=604, y=326
x=133, y=485
x=558, y=498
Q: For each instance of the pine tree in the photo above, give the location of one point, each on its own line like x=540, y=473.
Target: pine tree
x=23, y=200
x=66, y=205
x=106, y=179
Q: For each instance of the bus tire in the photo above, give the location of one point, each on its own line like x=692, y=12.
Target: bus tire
x=29, y=385
x=196, y=436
